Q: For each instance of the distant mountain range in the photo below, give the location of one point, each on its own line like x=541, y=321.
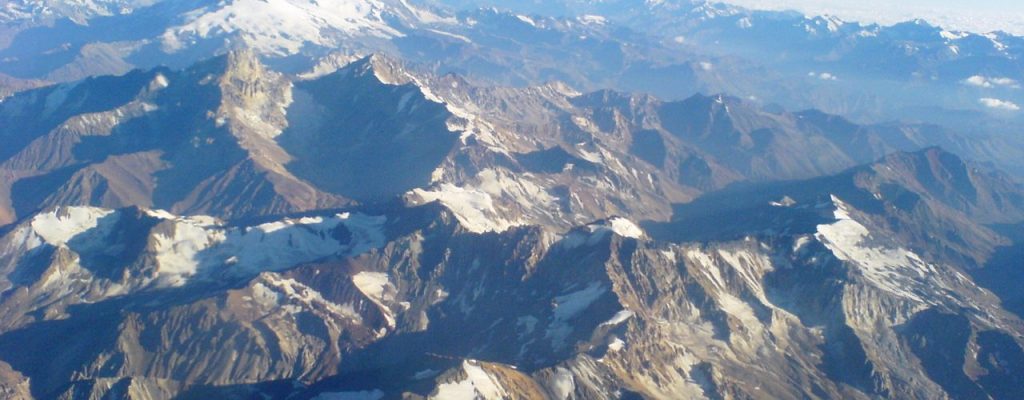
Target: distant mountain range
x=671, y=49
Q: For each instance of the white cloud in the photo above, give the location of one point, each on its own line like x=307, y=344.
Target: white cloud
x=998, y=104
x=1003, y=81
x=991, y=82
x=825, y=76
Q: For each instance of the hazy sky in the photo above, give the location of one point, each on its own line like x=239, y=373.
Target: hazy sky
x=974, y=15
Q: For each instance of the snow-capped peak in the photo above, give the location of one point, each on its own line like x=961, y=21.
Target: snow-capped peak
x=205, y=247
x=285, y=27
x=60, y=225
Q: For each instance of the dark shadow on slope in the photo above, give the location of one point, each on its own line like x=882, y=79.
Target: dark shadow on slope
x=48, y=107
x=844, y=360
x=119, y=238
x=29, y=195
x=553, y=161
x=30, y=268
x=1003, y=361
x=277, y=389
x=190, y=143
x=650, y=147
x=415, y=375
x=742, y=210
x=1003, y=273
x=940, y=341
x=48, y=352
x=354, y=136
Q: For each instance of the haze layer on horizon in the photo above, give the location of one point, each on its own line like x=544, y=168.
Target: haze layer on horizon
x=977, y=16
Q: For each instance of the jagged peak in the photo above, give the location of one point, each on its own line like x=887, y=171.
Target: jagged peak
x=564, y=88
x=330, y=64
x=838, y=122
x=931, y=154
x=718, y=104
x=243, y=64
x=385, y=68
x=238, y=62
x=712, y=99
x=932, y=167
x=594, y=232
x=613, y=97
x=243, y=58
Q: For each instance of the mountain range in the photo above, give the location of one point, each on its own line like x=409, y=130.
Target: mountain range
x=292, y=199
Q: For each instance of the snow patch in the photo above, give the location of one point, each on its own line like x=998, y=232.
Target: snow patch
x=377, y=287
x=618, y=318
x=563, y=383
x=595, y=232
x=785, y=201
x=949, y=35
x=451, y=35
x=626, y=228
x=200, y=246
x=895, y=270
x=282, y=27
x=478, y=384
x=372, y=284
x=527, y=20
x=59, y=226
x=294, y=297
x=473, y=208
x=593, y=19
x=425, y=374
x=159, y=82
x=568, y=307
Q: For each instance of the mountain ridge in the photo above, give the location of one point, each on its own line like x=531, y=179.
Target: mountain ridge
x=629, y=320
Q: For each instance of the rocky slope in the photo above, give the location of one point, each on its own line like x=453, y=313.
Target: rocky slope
x=823, y=293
